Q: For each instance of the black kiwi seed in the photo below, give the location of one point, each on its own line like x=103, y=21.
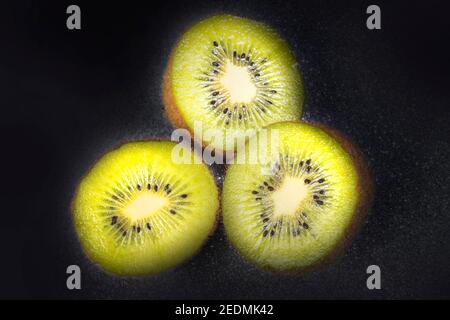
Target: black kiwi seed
x=149, y=186
x=305, y=225
x=258, y=199
x=308, y=169
x=173, y=211
x=149, y=226
x=265, y=233
x=308, y=162
x=124, y=234
x=319, y=202
x=301, y=163
x=272, y=233
x=321, y=180
x=316, y=196
x=184, y=196
x=322, y=191
x=138, y=229
x=307, y=181
x=114, y=220
x=262, y=105
x=139, y=187
x=255, y=192
x=115, y=197
x=156, y=187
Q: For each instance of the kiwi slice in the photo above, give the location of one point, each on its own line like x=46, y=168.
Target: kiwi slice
x=137, y=212
x=231, y=74
x=298, y=210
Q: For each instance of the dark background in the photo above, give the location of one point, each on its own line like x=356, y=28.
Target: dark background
x=67, y=97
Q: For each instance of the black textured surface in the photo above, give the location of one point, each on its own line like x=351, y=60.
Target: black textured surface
x=69, y=96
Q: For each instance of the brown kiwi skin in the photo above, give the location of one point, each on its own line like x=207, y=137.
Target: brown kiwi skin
x=123, y=142
x=170, y=107
x=365, y=189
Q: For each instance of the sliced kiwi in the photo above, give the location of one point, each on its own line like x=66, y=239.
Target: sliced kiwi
x=231, y=74
x=137, y=212
x=298, y=210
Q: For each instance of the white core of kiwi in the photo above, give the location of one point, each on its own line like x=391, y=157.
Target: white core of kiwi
x=289, y=197
x=238, y=84
x=143, y=205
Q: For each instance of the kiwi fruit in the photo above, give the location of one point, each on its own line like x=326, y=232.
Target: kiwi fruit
x=137, y=212
x=231, y=74
x=300, y=209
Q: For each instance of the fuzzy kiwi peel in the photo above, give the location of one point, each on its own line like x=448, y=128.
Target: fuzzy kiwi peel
x=304, y=213
x=231, y=74
x=136, y=212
